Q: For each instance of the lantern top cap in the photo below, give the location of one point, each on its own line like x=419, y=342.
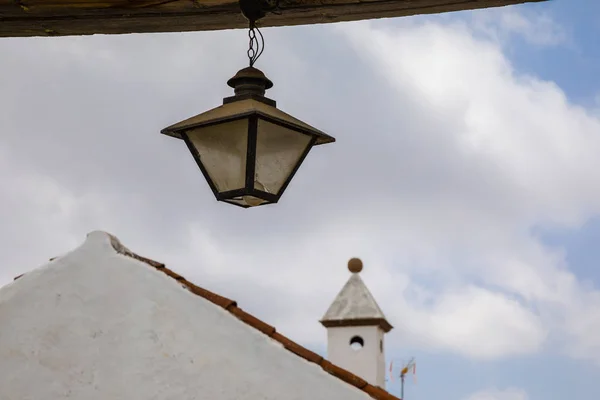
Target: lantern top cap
x=355, y=265
x=250, y=82
x=250, y=75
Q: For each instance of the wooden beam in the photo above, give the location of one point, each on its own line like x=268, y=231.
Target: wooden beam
x=88, y=17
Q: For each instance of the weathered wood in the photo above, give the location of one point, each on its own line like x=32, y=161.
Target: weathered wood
x=86, y=17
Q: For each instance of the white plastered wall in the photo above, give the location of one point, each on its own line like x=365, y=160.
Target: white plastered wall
x=368, y=362
x=98, y=325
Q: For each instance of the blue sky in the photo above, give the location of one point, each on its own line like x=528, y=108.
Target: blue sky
x=465, y=175
x=580, y=246
x=574, y=66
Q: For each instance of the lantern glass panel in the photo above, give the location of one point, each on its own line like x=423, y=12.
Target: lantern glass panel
x=278, y=152
x=223, y=149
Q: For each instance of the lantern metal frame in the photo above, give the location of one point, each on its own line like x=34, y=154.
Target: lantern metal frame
x=249, y=84
x=249, y=190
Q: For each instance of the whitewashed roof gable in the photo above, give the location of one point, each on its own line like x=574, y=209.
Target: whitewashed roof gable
x=96, y=324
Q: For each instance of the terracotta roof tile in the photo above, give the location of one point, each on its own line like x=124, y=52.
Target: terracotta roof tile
x=252, y=321
x=214, y=298
x=343, y=374
x=378, y=393
x=231, y=306
x=340, y=373
x=172, y=274
x=297, y=349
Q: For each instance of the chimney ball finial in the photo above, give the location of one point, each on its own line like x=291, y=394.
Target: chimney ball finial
x=355, y=265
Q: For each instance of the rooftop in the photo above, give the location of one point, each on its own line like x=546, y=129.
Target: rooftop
x=354, y=304
x=102, y=322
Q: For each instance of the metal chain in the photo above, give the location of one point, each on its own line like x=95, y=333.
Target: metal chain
x=251, y=50
x=256, y=43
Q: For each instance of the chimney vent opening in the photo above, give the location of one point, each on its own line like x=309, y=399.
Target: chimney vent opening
x=357, y=343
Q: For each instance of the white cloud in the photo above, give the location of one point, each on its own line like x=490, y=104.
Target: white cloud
x=537, y=150
x=41, y=218
x=446, y=159
x=497, y=394
x=468, y=318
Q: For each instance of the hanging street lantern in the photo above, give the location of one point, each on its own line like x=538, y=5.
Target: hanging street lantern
x=247, y=149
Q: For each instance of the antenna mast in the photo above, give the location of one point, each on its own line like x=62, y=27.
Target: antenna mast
x=409, y=365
